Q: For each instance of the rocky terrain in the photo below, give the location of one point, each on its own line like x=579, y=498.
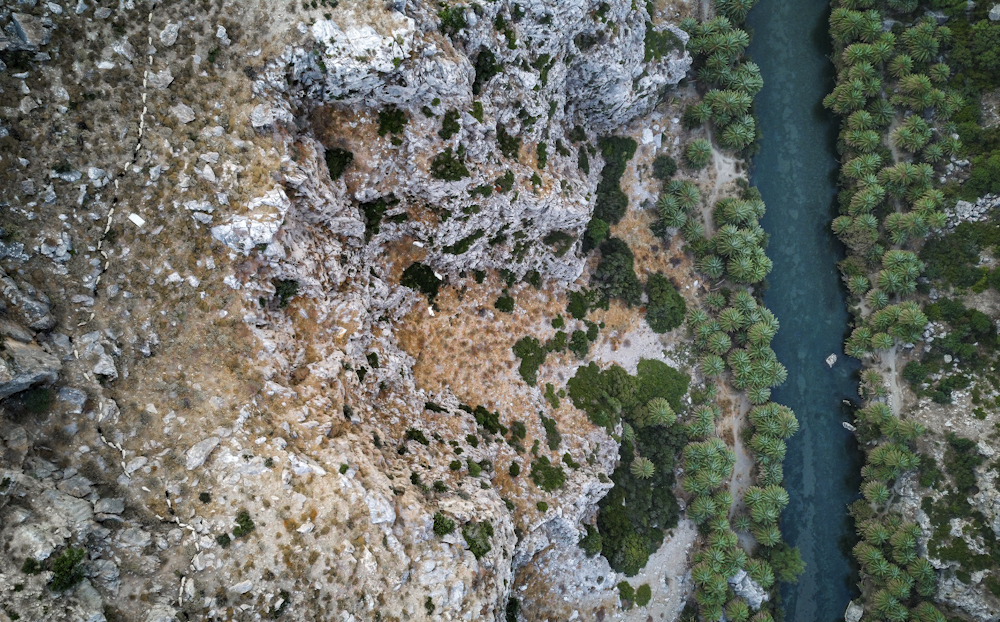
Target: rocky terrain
x=228, y=393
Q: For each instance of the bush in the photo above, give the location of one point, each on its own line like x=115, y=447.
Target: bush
x=443, y=525
x=505, y=304
x=666, y=309
x=591, y=542
x=486, y=67
x=448, y=166
x=477, y=536
x=786, y=562
x=391, y=121
x=452, y=19
x=615, y=276
x=643, y=595
x=510, y=146
x=204, y=497
x=449, y=125
x=223, y=540
x=532, y=355
x=552, y=435
x=547, y=476
x=626, y=592
x=244, y=524
x=611, y=202
x=337, y=161
x=515, y=469
x=67, y=570
x=664, y=168
x=414, y=434
x=577, y=307
x=542, y=506
x=543, y=157
x=579, y=345
x=421, y=278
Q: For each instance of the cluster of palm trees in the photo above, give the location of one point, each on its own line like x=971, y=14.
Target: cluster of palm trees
x=895, y=105
x=736, y=251
x=678, y=200
x=708, y=464
x=718, y=46
x=886, y=88
x=738, y=337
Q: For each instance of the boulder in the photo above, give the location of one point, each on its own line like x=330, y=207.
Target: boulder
x=198, y=453
x=31, y=306
x=32, y=31
x=748, y=589
x=994, y=13
x=23, y=365
x=854, y=612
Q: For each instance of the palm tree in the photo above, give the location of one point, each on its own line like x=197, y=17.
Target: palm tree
x=660, y=412
x=712, y=265
x=766, y=534
x=939, y=73
x=698, y=153
x=877, y=299
x=642, y=468
x=875, y=492
x=921, y=42
x=737, y=610
x=901, y=65
x=735, y=10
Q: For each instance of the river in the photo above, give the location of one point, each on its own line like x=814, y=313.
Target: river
x=796, y=174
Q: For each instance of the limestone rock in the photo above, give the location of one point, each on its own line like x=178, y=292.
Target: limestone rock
x=161, y=613
x=244, y=233
x=33, y=31
x=748, y=589
x=261, y=116
x=854, y=612
x=831, y=360
x=25, y=364
x=31, y=306
x=168, y=36
x=183, y=113
x=198, y=453
x=994, y=13
x=161, y=79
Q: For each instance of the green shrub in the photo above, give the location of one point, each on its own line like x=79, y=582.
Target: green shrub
x=579, y=345
x=465, y=243
x=543, y=157
x=577, y=307
x=506, y=183
x=67, y=570
x=223, y=540
x=443, y=525
x=532, y=355
x=786, y=562
x=505, y=304
x=337, y=161
x=477, y=111
x=612, y=203
x=583, y=160
x=448, y=166
x=486, y=67
x=666, y=309
x=204, y=497
x=597, y=232
x=542, y=506
x=474, y=468
x=510, y=146
x=643, y=595
x=244, y=524
x=659, y=44
x=547, y=476
x=515, y=469
x=477, y=536
x=455, y=465
x=374, y=211
x=626, y=592
x=31, y=566
x=391, y=121
x=452, y=19
x=414, y=434
x=421, y=278
x=615, y=276
x=960, y=461
x=552, y=435
x=591, y=542
x=664, y=168
x=449, y=125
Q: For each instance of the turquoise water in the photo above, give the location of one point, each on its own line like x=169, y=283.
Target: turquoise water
x=796, y=174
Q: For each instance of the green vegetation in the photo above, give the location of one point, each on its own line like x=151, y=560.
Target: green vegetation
x=449, y=166
x=659, y=44
x=698, y=153
x=442, y=524
x=414, y=434
x=421, y=278
x=450, y=125
x=546, y=475
x=505, y=303
x=543, y=157
x=477, y=536
x=391, y=121
x=532, y=355
x=552, y=435
x=337, y=161
x=374, y=211
x=664, y=168
x=643, y=594
x=611, y=202
x=67, y=570
x=666, y=309
x=244, y=524
x=452, y=19
x=510, y=146
x=486, y=67
x=615, y=276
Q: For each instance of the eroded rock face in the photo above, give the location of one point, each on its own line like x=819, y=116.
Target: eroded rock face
x=25, y=364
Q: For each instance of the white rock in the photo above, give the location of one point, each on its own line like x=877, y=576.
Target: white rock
x=183, y=113
x=854, y=612
x=161, y=79
x=242, y=587
x=197, y=455
x=831, y=360
x=262, y=115
x=994, y=13
x=169, y=34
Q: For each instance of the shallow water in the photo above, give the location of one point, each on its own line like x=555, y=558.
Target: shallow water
x=796, y=174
